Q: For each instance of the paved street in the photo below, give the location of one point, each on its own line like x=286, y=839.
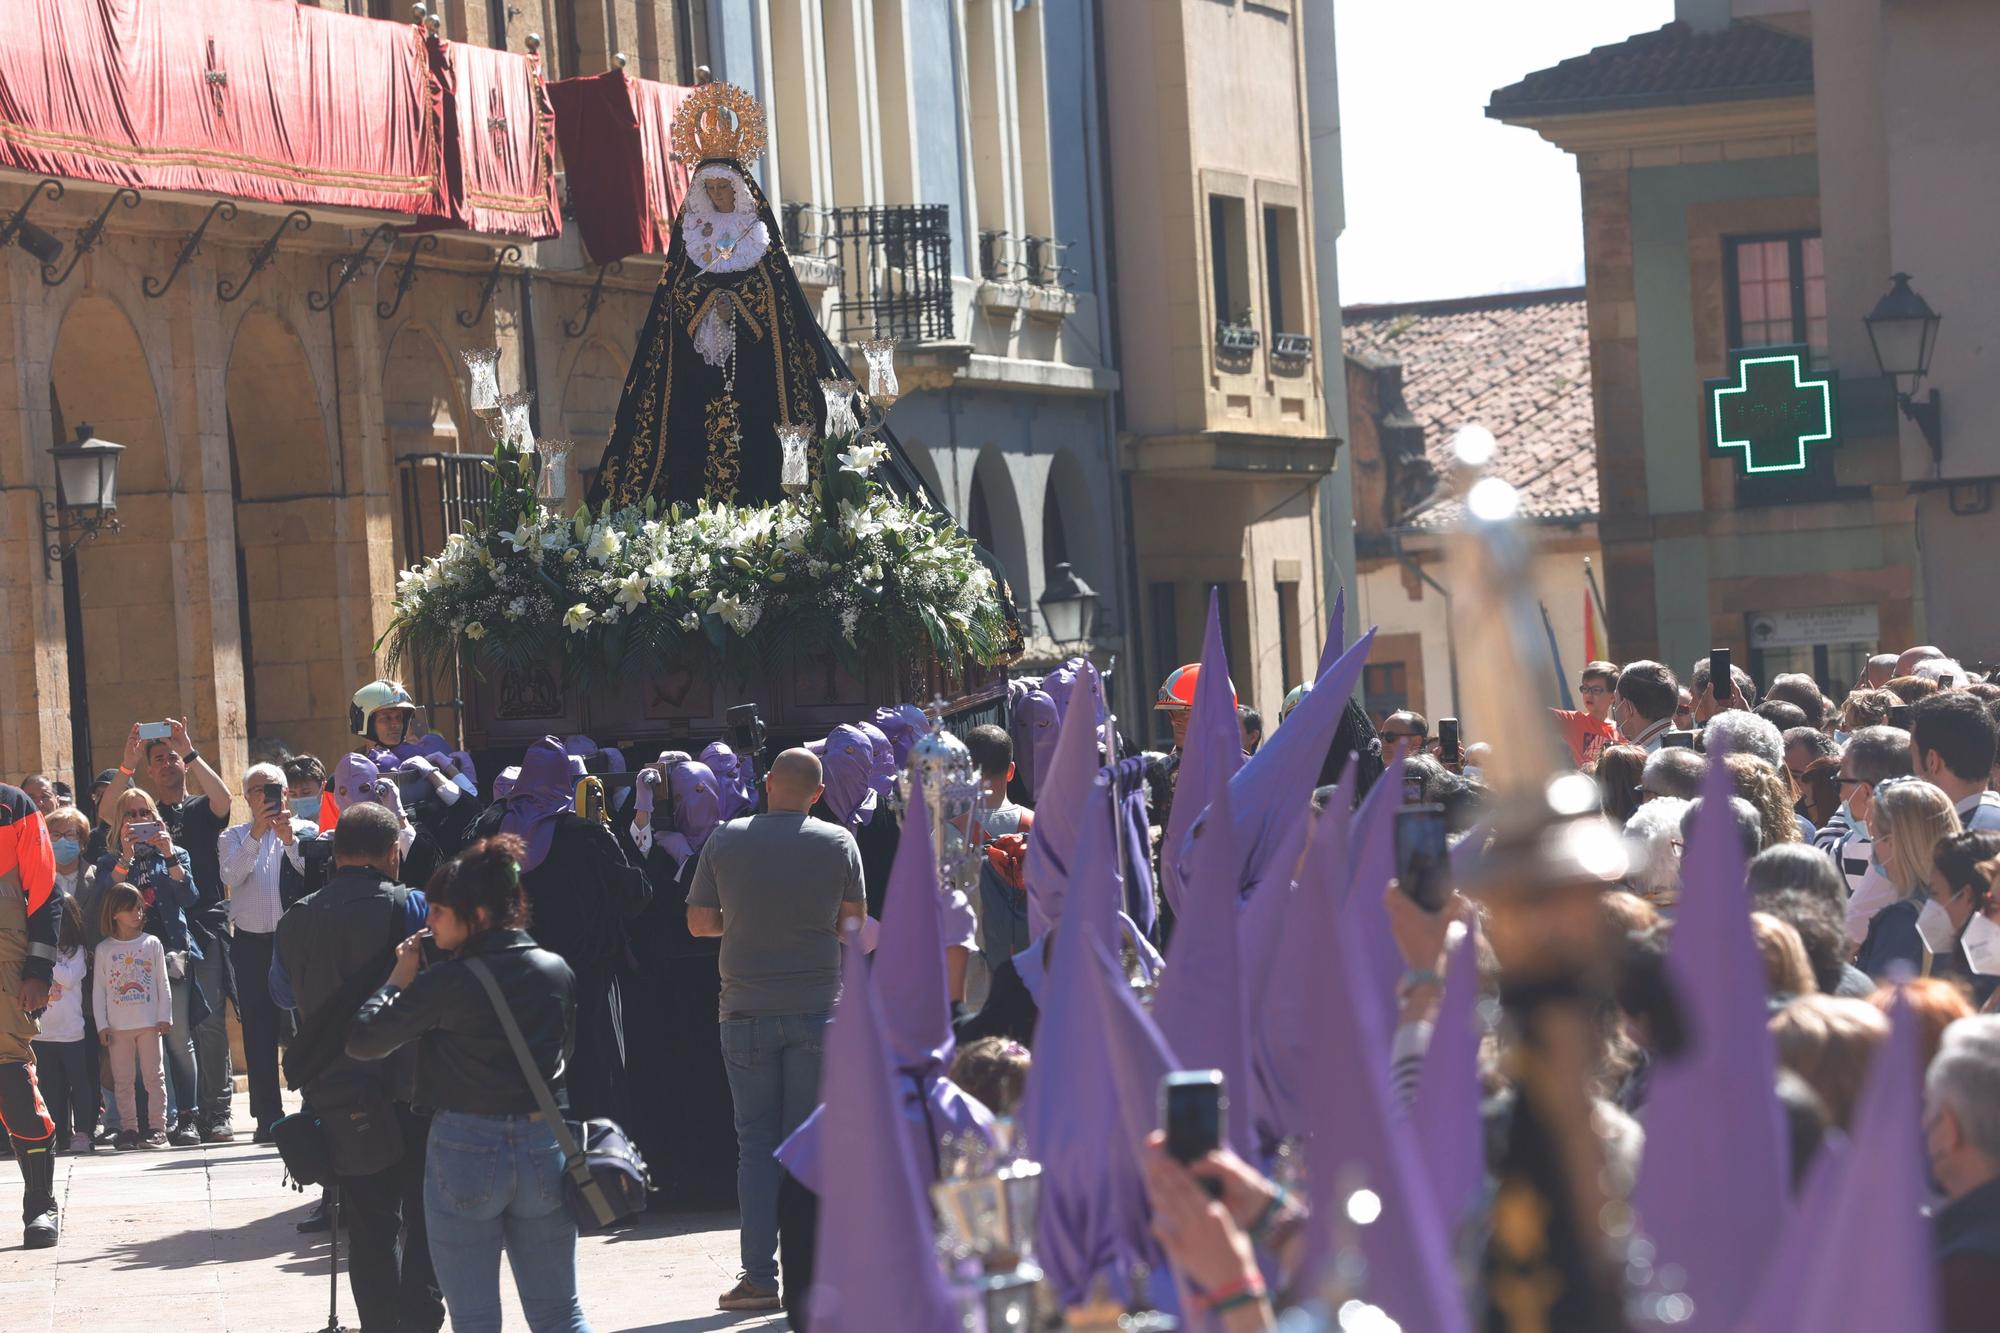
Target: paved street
x=203, y=1239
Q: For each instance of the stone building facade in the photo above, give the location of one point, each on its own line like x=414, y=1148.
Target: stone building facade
x=1753, y=174
x=283, y=458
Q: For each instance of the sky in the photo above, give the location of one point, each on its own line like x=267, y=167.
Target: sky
x=1441, y=201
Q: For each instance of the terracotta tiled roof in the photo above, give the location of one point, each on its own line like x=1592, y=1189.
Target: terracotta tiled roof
x=1518, y=365
x=1673, y=66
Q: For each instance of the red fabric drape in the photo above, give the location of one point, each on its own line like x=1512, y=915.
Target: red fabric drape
x=499, y=140
x=618, y=160
x=271, y=101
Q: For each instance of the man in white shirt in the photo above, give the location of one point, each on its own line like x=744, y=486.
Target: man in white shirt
x=1644, y=703
x=1952, y=744
x=1873, y=754
x=254, y=859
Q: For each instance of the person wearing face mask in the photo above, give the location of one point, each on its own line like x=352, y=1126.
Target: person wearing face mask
x=1962, y=1145
x=1957, y=920
x=686, y=1124
x=258, y=860
x=1643, y=704
x=1907, y=818
x=1872, y=755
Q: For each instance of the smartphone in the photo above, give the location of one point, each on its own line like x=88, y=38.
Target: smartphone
x=144, y=830
x=1899, y=716
x=1448, y=749
x=155, y=731
x=1194, y=1106
x=1423, y=862
x=1720, y=680
x=1678, y=740
x=1413, y=789
x=273, y=794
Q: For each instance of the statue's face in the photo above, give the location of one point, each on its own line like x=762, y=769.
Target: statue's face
x=721, y=193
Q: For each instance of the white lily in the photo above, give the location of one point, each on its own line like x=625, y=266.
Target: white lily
x=863, y=459
x=632, y=591
x=577, y=619
x=523, y=536
x=604, y=544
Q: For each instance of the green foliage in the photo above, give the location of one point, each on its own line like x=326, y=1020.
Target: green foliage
x=847, y=569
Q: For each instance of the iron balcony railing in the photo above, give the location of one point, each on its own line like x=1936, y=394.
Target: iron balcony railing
x=442, y=494
x=895, y=266
x=1036, y=260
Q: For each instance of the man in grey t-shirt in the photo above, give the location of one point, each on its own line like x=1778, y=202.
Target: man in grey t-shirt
x=777, y=888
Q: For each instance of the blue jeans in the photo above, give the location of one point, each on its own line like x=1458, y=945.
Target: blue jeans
x=773, y=1066
x=494, y=1182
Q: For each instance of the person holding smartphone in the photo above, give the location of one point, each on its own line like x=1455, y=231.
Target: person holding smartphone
x=257, y=859
x=194, y=803
x=148, y=858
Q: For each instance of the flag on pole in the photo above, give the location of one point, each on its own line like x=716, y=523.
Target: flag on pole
x=1590, y=653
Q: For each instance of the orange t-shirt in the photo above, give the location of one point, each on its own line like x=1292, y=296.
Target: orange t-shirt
x=1584, y=734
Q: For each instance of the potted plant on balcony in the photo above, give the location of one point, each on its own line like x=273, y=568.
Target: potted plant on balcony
x=1236, y=338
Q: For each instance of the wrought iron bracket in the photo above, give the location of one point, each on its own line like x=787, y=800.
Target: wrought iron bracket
x=87, y=239
x=572, y=329
x=48, y=185
x=54, y=550
x=298, y=218
x=406, y=278
x=350, y=268
x=189, y=249
x=509, y=254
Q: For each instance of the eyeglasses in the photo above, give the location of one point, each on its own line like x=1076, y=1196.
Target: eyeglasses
x=1591, y=691
x=1845, y=781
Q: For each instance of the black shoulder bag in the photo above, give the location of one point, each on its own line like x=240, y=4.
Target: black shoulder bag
x=604, y=1177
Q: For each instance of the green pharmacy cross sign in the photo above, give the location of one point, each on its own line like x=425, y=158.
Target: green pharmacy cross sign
x=1771, y=408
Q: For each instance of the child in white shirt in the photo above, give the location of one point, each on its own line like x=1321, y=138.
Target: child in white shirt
x=134, y=1004
x=65, y=1069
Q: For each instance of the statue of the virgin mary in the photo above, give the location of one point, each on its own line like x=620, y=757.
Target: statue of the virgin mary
x=731, y=349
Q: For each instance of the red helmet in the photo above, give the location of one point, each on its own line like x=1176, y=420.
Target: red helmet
x=1178, y=691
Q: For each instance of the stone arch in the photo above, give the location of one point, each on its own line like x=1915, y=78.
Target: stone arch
x=1068, y=530
x=591, y=390
x=286, y=512
x=120, y=585
x=993, y=517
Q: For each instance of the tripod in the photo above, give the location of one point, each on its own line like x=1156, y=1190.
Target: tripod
x=333, y=1324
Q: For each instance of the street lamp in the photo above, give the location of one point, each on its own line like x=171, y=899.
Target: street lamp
x=1902, y=330
x=1067, y=603
x=86, y=495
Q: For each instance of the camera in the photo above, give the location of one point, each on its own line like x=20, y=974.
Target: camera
x=746, y=729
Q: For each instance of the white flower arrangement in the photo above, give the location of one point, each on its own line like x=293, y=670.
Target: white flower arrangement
x=849, y=569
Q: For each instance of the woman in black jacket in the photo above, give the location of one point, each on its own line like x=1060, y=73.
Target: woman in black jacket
x=493, y=1179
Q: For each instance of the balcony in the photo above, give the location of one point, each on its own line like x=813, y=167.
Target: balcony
x=892, y=263
x=442, y=494
x=1291, y=353
x=1024, y=275
x=1235, y=345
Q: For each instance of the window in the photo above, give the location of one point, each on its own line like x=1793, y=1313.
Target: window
x=1385, y=689
x=1229, y=259
x=1283, y=284
x=1777, y=291
x=1289, y=667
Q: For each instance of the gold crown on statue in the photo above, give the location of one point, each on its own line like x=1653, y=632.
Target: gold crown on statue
x=718, y=120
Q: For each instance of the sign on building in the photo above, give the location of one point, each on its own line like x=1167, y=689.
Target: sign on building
x=1771, y=409
x=1815, y=625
